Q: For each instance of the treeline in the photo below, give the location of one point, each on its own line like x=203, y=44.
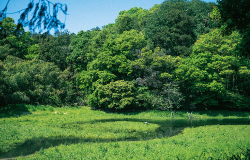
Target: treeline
x=176, y=55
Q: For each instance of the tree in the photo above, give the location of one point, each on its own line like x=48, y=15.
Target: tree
x=124, y=23
x=153, y=69
x=171, y=27
x=235, y=13
x=115, y=95
x=2, y=85
x=216, y=43
x=152, y=72
x=236, y=16
x=13, y=41
x=53, y=48
x=81, y=48
x=202, y=13
x=112, y=64
x=133, y=18
x=129, y=43
x=114, y=60
x=212, y=75
x=35, y=82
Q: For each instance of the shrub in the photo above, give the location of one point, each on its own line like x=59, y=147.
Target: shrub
x=115, y=95
x=34, y=82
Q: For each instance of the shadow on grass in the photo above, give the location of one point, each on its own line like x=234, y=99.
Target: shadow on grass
x=124, y=112
x=13, y=110
x=182, y=113
x=167, y=128
x=224, y=113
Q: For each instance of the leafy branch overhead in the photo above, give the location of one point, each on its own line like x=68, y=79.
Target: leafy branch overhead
x=43, y=15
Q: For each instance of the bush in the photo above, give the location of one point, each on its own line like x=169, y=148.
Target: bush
x=166, y=99
x=115, y=95
x=34, y=82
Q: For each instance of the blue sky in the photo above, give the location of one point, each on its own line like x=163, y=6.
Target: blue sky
x=86, y=14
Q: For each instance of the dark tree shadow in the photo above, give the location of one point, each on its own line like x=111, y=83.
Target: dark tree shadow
x=167, y=128
x=182, y=113
x=13, y=110
x=224, y=113
x=124, y=111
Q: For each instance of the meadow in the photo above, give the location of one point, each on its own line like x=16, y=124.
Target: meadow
x=45, y=132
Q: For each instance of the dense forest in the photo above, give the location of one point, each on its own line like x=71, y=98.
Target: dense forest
x=188, y=55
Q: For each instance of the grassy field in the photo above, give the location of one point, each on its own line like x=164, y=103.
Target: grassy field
x=44, y=132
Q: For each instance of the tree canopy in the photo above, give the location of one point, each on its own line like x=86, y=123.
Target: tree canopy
x=177, y=55
x=235, y=13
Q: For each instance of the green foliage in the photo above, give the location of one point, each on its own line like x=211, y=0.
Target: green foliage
x=175, y=25
x=7, y=27
x=3, y=84
x=88, y=80
x=235, y=14
x=133, y=18
x=6, y=50
x=204, y=16
x=138, y=54
x=171, y=27
x=113, y=63
x=154, y=67
x=33, y=82
x=118, y=64
x=244, y=47
x=124, y=23
x=212, y=75
x=13, y=41
x=153, y=73
x=51, y=48
x=128, y=44
x=167, y=98
x=82, y=49
x=155, y=7
x=215, y=15
x=33, y=51
x=115, y=95
x=214, y=42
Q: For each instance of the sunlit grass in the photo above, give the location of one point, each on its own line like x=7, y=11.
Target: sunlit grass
x=194, y=143
x=82, y=133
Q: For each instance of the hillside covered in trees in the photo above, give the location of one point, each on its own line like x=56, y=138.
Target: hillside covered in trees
x=177, y=55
